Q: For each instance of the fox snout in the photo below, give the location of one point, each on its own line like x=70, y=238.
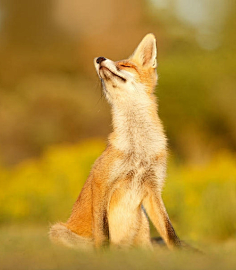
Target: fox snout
x=107, y=69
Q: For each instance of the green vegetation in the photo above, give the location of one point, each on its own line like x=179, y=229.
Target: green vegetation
x=202, y=199
x=45, y=189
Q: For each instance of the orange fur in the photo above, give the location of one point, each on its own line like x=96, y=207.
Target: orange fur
x=130, y=173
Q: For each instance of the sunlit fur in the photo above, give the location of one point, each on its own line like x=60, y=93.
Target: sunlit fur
x=130, y=173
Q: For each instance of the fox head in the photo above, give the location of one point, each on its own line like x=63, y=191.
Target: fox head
x=132, y=79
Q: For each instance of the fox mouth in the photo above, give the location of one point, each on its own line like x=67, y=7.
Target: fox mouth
x=112, y=72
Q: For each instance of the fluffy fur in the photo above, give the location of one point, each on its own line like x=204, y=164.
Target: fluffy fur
x=128, y=177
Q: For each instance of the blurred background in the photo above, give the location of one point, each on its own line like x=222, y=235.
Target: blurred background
x=54, y=121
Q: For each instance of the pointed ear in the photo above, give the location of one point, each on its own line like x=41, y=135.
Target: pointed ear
x=146, y=52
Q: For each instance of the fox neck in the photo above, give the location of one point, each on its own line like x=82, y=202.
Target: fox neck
x=137, y=127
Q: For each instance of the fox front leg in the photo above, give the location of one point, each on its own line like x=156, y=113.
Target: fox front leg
x=155, y=208
x=100, y=223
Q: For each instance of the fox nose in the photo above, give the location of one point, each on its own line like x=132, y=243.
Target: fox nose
x=100, y=59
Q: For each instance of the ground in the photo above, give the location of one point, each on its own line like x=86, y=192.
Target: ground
x=28, y=247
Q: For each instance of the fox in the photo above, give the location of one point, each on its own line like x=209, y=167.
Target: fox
x=125, y=184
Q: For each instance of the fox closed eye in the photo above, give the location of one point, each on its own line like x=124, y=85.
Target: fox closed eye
x=126, y=65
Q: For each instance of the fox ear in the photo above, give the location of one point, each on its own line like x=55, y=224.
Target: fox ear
x=146, y=52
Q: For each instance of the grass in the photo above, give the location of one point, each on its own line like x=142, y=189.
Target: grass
x=28, y=247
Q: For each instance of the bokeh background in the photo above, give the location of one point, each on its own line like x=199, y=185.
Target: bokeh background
x=54, y=120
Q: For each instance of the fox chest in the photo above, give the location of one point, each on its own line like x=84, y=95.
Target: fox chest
x=127, y=195
x=128, y=184
x=134, y=171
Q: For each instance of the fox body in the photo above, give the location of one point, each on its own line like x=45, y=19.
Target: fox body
x=126, y=181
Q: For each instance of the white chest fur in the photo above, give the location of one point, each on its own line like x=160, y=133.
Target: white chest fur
x=138, y=130
x=138, y=134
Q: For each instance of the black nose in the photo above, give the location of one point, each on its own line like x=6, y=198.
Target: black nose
x=100, y=59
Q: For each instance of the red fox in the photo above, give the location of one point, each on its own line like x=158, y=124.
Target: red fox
x=126, y=181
